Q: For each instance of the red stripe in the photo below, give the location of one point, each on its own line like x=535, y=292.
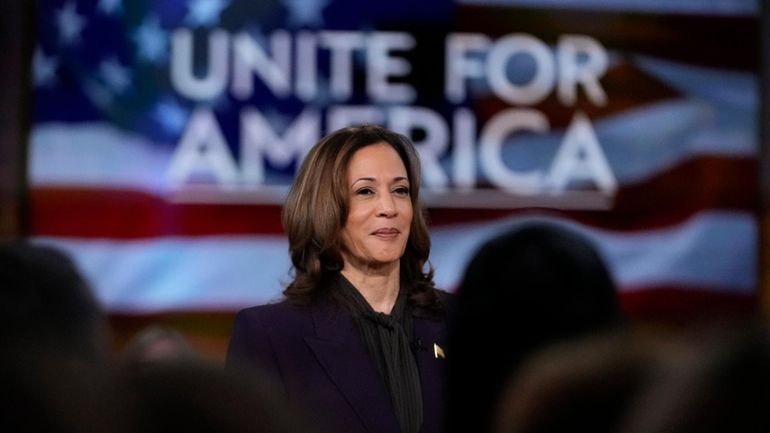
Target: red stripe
x=672, y=197
x=681, y=306
x=125, y=214
x=678, y=36
x=667, y=199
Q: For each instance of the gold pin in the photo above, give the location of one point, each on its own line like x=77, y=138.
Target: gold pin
x=438, y=352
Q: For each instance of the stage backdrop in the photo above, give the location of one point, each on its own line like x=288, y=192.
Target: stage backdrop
x=165, y=135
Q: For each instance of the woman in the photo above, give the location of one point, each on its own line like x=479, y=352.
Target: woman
x=358, y=339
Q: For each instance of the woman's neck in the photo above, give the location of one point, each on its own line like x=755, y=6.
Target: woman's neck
x=379, y=286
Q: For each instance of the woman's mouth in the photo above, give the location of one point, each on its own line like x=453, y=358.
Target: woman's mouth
x=386, y=233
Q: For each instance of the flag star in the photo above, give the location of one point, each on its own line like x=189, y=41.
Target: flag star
x=151, y=40
x=205, y=12
x=98, y=94
x=70, y=23
x=44, y=68
x=170, y=115
x=115, y=75
x=110, y=7
x=305, y=12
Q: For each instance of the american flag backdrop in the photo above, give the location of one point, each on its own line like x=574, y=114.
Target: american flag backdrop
x=165, y=135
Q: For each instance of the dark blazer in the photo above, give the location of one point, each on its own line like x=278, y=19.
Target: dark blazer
x=322, y=362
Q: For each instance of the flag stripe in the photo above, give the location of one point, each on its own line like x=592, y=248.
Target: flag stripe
x=685, y=37
x=683, y=305
x=710, y=251
x=128, y=214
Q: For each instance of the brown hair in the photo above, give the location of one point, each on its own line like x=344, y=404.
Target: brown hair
x=316, y=210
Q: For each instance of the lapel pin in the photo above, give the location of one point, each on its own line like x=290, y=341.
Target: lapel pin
x=438, y=352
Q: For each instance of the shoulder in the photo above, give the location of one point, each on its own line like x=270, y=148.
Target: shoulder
x=446, y=297
x=441, y=307
x=258, y=332
x=281, y=308
x=282, y=315
x=448, y=302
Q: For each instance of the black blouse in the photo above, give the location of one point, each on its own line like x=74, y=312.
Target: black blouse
x=388, y=337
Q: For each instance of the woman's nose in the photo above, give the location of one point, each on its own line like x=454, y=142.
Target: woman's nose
x=386, y=206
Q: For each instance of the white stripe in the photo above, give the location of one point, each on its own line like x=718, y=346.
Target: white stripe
x=735, y=90
x=716, y=250
x=712, y=249
x=652, y=138
x=96, y=154
x=181, y=273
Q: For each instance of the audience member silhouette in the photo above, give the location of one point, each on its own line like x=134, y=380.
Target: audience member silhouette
x=46, y=304
x=156, y=344
x=723, y=385
x=54, y=341
x=713, y=377
x=194, y=396
x=588, y=384
x=56, y=373
x=535, y=285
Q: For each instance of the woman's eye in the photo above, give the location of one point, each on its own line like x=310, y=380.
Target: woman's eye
x=364, y=191
x=402, y=190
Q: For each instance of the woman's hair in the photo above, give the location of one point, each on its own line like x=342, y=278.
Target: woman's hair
x=317, y=208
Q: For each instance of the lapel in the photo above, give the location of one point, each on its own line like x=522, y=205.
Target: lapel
x=432, y=371
x=343, y=355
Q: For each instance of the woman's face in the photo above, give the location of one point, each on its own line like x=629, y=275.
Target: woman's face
x=379, y=207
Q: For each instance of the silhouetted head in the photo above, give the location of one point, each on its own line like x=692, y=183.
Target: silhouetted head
x=724, y=385
x=532, y=286
x=543, y=276
x=53, y=342
x=46, y=303
x=194, y=396
x=589, y=384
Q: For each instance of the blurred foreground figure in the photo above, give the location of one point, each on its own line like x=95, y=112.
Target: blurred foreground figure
x=724, y=386
x=156, y=344
x=535, y=285
x=588, y=384
x=194, y=396
x=55, y=375
x=53, y=335
x=46, y=304
x=707, y=381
